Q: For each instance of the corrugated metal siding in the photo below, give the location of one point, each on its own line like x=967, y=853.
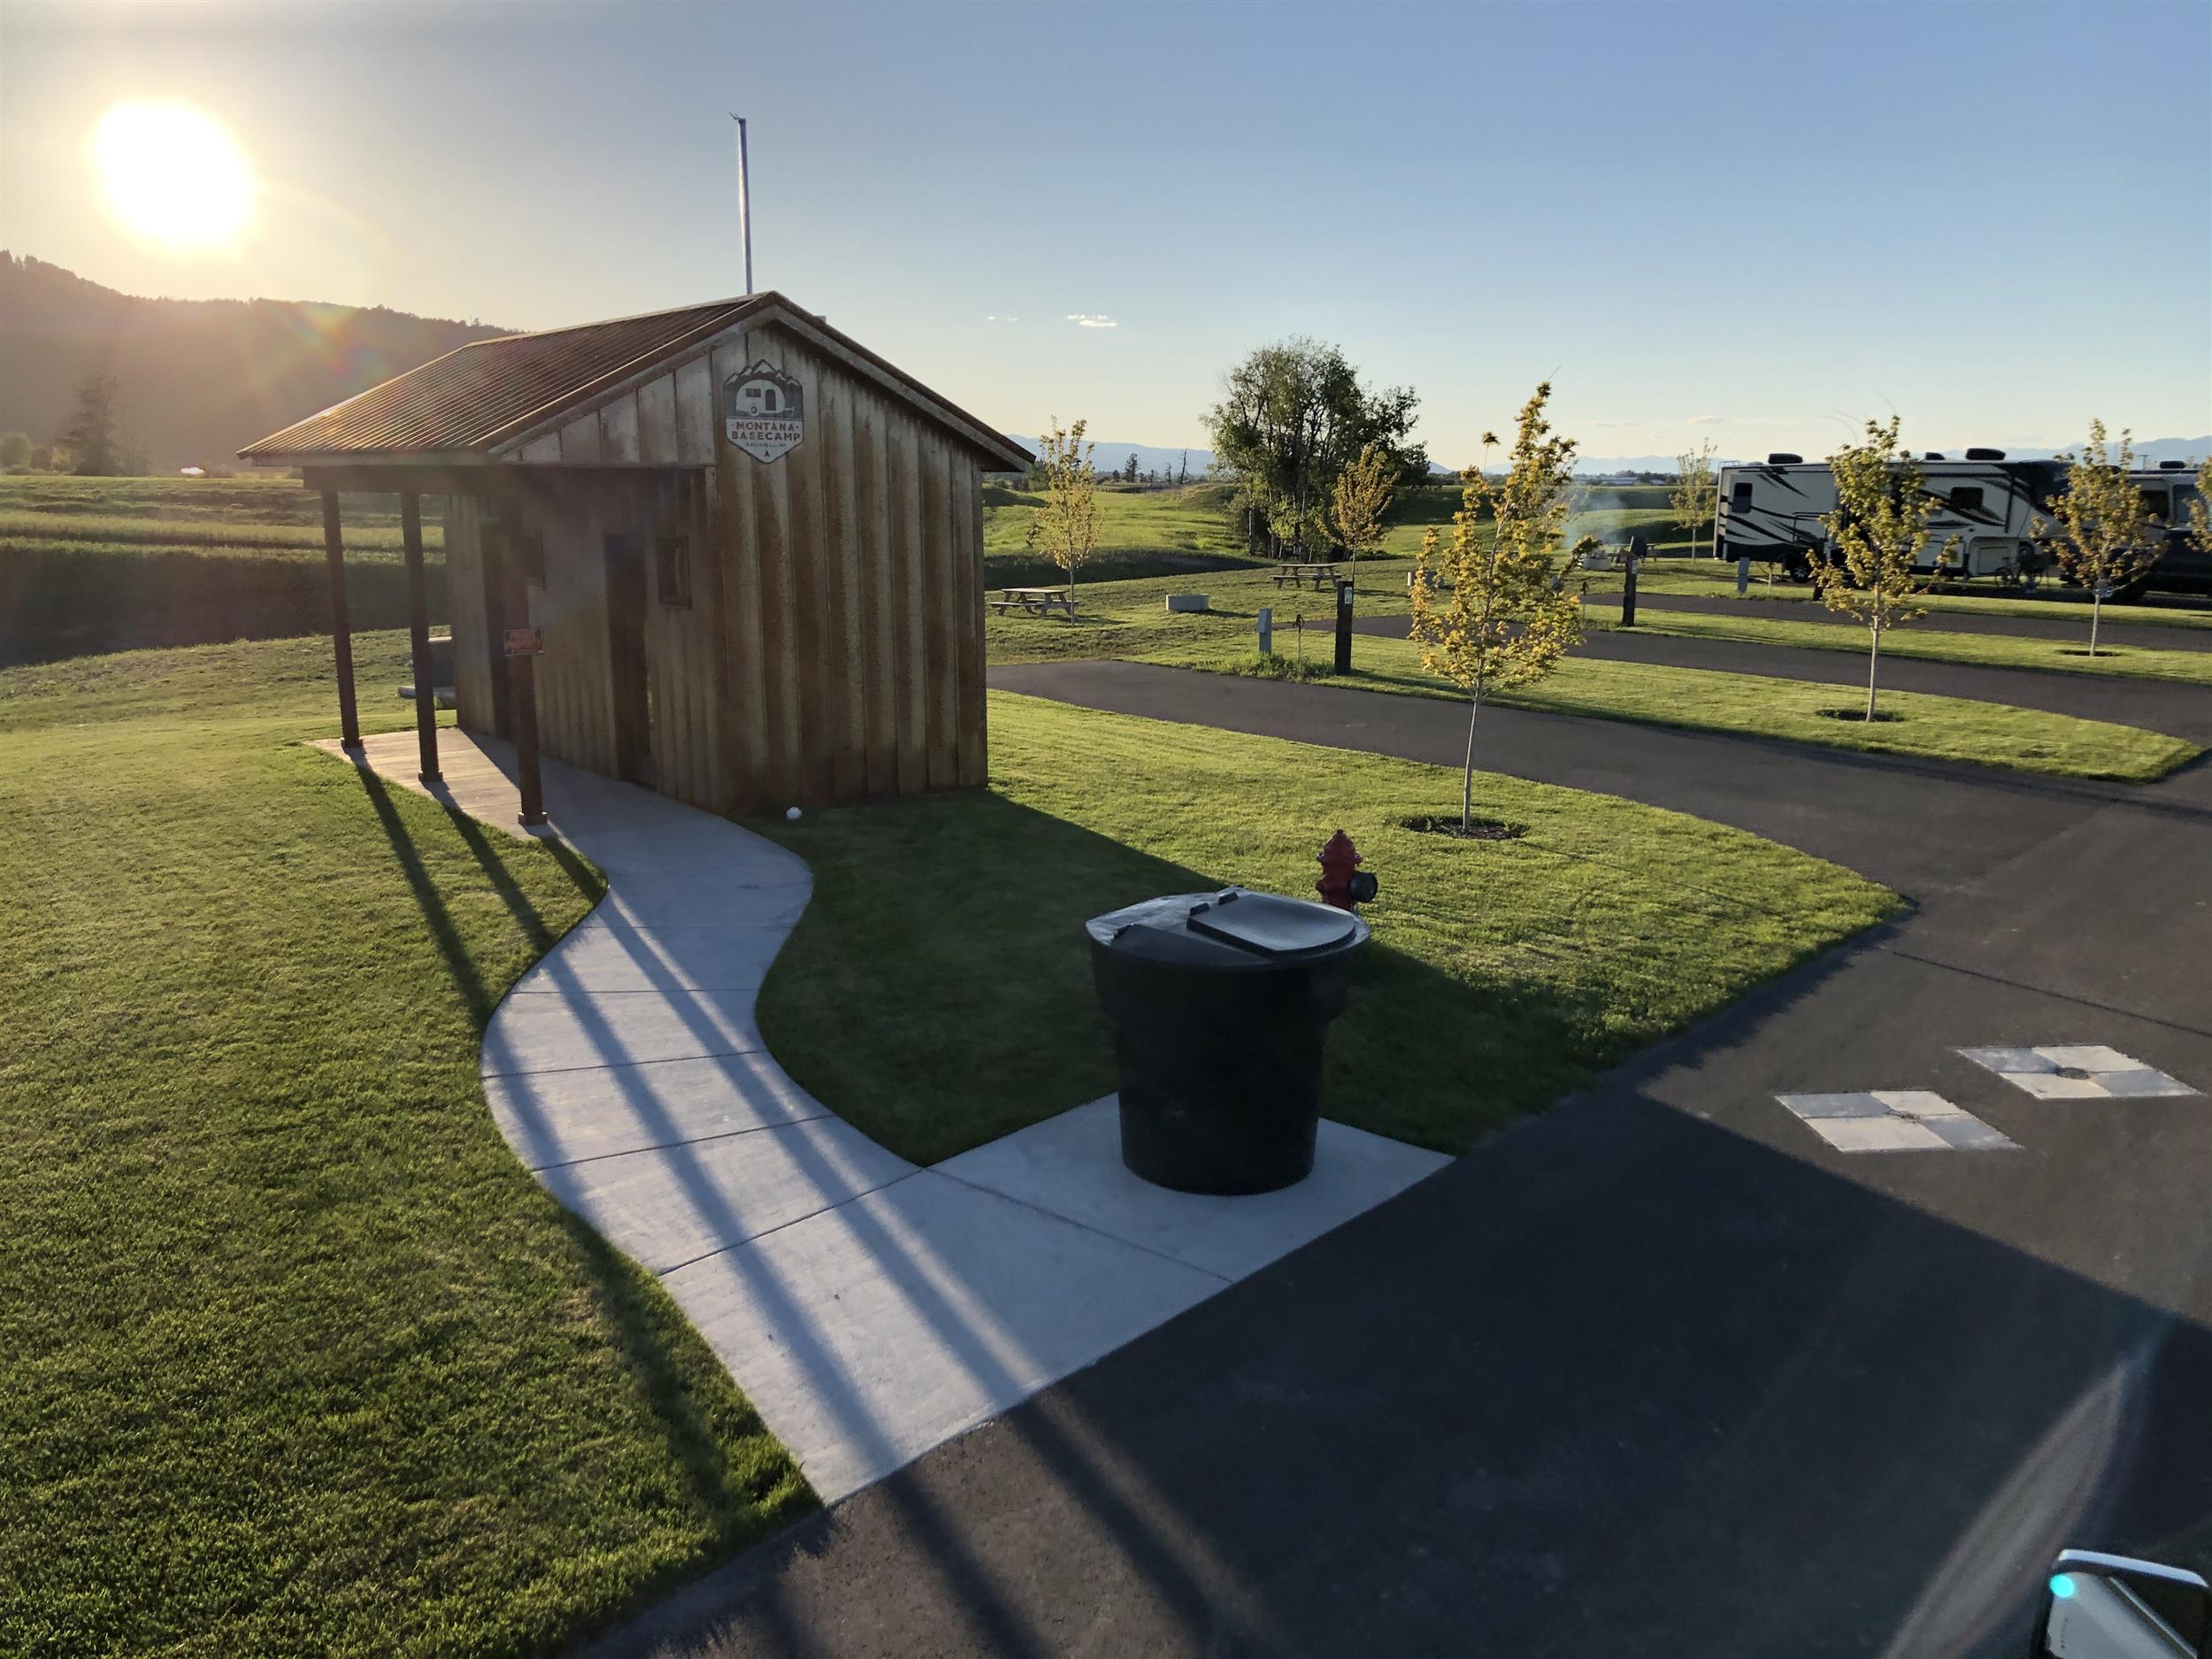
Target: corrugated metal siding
x=472, y=663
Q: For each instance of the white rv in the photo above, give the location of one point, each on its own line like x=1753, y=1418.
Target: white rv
x=1983, y=525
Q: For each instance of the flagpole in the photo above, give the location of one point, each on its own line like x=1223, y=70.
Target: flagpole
x=744, y=204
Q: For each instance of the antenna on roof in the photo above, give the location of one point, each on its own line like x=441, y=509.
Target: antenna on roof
x=744, y=205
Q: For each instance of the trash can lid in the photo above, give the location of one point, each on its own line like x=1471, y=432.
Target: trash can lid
x=1230, y=929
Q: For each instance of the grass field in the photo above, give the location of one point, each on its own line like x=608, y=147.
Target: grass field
x=1130, y=620
x=1503, y=972
x=298, y=1359
x=1954, y=729
x=1927, y=641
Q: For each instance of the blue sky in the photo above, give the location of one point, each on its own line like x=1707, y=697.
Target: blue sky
x=1756, y=224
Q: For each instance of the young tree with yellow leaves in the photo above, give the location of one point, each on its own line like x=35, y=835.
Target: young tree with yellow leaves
x=1509, y=617
x=1696, y=490
x=2106, y=535
x=1876, y=533
x=1065, y=528
x=2200, y=530
x=1362, y=497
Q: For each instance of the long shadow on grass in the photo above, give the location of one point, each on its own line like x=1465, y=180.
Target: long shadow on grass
x=466, y=977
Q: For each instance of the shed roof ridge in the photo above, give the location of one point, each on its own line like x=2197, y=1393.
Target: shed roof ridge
x=634, y=317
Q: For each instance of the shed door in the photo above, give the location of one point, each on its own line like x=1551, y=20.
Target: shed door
x=625, y=659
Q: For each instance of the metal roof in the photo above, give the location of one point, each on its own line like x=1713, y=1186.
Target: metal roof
x=458, y=406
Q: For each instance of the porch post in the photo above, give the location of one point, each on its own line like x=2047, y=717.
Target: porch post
x=419, y=636
x=341, y=623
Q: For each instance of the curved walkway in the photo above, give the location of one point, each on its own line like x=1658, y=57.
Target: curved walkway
x=869, y=1309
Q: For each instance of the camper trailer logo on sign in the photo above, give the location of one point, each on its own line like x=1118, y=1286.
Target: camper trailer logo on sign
x=763, y=412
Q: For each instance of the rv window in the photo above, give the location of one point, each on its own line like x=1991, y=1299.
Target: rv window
x=672, y=574
x=1740, y=497
x=2156, y=501
x=1966, y=498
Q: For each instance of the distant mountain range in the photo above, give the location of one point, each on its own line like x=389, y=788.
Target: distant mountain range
x=1151, y=458
x=200, y=379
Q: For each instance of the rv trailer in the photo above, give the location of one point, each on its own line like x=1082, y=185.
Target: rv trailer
x=1990, y=519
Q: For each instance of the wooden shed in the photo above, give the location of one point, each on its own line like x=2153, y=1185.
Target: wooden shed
x=726, y=551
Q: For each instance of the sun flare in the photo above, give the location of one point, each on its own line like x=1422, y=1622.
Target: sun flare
x=174, y=175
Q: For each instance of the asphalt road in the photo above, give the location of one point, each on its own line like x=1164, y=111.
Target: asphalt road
x=1657, y=1373
x=2115, y=625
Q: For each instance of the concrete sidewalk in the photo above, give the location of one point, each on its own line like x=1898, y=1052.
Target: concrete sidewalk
x=869, y=1310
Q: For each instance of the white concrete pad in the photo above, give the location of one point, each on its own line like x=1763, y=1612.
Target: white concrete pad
x=551, y=1033
x=611, y=957
x=2140, y=1085
x=2088, y=1057
x=1966, y=1132
x=676, y=1204
x=869, y=1334
x=2007, y=1061
x=1877, y=1134
x=1859, y=1104
x=2051, y=1086
x=1071, y=1165
x=552, y=1118
x=1917, y=1102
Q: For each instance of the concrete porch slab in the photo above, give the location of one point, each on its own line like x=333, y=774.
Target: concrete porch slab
x=869, y=1334
x=1070, y=1166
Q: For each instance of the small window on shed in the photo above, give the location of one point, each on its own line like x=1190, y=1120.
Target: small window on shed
x=672, y=570
x=1740, y=497
x=530, y=550
x=1966, y=498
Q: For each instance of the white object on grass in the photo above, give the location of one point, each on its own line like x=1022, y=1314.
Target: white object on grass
x=792, y=813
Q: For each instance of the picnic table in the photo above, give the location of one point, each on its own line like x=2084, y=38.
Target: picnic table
x=1035, y=602
x=1299, y=575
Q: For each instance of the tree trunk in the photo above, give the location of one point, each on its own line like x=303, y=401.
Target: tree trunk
x=1873, y=659
x=1467, y=776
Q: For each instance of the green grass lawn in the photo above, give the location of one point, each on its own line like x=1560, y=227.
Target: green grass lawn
x=298, y=1358
x=1930, y=643
x=1930, y=728
x=2055, y=601
x=1502, y=974
x=1130, y=620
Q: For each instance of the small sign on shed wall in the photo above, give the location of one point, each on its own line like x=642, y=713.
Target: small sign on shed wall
x=764, y=411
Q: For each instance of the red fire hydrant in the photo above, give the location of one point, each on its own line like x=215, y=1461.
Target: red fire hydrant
x=1343, y=883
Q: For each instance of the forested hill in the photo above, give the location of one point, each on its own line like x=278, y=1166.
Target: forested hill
x=199, y=378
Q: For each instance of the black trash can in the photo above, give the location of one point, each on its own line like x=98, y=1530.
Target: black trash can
x=1218, y=1003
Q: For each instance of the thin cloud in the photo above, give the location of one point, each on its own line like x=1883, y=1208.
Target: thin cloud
x=1092, y=319
x=1708, y=420
x=994, y=318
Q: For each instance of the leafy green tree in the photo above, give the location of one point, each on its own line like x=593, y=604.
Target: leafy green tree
x=1065, y=528
x=2104, y=533
x=1509, y=617
x=1877, y=532
x=15, y=449
x=1696, y=491
x=1129, y=469
x=91, y=437
x=1292, y=417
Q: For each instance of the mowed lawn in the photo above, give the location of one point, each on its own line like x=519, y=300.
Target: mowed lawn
x=1959, y=730
x=1503, y=972
x=295, y=1357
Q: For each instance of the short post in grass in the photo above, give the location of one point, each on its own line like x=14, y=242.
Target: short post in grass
x=1509, y=618
x=1343, y=663
x=2105, y=534
x=1267, y=631
x=1630, y=560
x=1877, y=532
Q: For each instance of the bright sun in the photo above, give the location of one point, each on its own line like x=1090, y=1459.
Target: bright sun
x=172, y=173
